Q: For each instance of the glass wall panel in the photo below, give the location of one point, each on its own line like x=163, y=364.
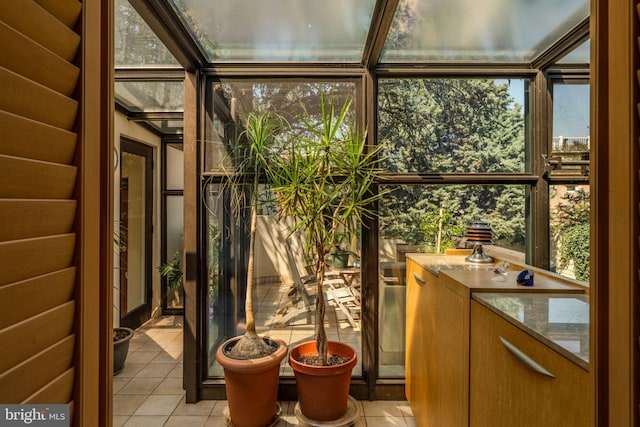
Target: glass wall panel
x=569, y=208
x=431, y=219
x=479, y=31
x=174, y=235
x=231, y=100
x=150, y=96
x=286, y=30
x=175, y=167
x=284, y=289
x=452, y=125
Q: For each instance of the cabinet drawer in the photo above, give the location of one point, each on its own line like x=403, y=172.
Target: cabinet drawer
x=508, y=386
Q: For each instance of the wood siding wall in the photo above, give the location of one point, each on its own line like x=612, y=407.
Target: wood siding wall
x=39, y=122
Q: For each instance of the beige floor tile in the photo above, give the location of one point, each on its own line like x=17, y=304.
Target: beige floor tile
x=141, y=356
x=203, y=407
x=119, y=382
x=177, y=371
x=149, y=346
x=385, y=422
x=130, y=369
x=381, y=408
x=154, y=370
x=186, y=420
x=168, y=357
x=170, y=386
x=215, y=422
x=119, y=420
x=140, y=386
x=127, y=404
x=405, y=408
x=159, y=405
x=146, y=421
x=411, y=422
x=173, y=346
x=219, y=408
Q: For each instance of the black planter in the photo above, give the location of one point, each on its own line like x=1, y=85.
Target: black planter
x=340, y=259
x=120, y=348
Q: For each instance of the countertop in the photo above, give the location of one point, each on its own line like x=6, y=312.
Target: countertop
x=481, y=278
x=560, y=321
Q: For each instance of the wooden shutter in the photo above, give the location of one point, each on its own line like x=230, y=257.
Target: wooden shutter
x=39, y=109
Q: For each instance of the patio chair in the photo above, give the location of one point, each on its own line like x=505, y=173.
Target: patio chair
x=302, y=301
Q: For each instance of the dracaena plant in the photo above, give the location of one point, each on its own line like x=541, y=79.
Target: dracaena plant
x=323, y=178
x=252, y=156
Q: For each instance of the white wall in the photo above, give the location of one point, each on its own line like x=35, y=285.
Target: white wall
x=133, y=131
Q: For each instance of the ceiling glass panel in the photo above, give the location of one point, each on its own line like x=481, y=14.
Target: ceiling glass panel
x=278, y=30
x=150, y=96
x=580, y=55
x=166, y=126
x=503, y=31
x=135, y=45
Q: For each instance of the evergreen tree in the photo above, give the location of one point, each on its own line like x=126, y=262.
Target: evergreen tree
x=452, y=126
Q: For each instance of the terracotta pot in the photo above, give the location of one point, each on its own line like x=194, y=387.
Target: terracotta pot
x=323, y=391
x=252, y=385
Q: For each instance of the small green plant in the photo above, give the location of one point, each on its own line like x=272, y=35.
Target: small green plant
x=172, y=270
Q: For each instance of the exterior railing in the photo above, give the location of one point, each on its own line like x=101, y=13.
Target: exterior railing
x=570, y=143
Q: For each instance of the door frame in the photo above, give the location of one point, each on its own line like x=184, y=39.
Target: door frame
x=136, y=317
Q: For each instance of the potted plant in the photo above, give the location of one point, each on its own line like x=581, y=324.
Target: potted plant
x=121, y=338
x=172, y=270
x=252, y=363
x=323, y=180
x=342, y=250
x=121, y=335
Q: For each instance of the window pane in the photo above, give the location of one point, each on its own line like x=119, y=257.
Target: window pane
x=175, y=167
x=453, y=125
x=174, y=236
x=571, y=143
x=479, y=31
x=417, y=218
x=150, y=96
x=569, y=207
x=230, y=101
x=284, y=30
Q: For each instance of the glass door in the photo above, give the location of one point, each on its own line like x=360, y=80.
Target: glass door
x=135, y=233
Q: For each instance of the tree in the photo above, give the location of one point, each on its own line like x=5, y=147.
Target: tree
x=452, y=126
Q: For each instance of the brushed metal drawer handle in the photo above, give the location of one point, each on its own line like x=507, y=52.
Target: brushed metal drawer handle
x=419, y=279
x=525, y=359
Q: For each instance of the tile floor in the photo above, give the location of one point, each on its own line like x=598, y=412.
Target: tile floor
x=148, y=392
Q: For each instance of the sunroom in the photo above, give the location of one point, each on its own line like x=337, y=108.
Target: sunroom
x=483, y=111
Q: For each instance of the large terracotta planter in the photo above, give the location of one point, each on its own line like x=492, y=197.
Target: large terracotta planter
x=252, y=385
x=323, y=391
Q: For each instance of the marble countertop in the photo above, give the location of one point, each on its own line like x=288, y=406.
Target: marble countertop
x=561, y=321
x=479, y=277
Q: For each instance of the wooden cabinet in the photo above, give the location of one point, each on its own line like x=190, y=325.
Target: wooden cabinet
x=437, y=356
x=505, y=388
x=420, y=358
x=439, y=333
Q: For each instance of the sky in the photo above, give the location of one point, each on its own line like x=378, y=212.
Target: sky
x=570, y=106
